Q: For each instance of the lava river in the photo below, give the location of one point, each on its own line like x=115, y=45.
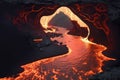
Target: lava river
x=83, y=59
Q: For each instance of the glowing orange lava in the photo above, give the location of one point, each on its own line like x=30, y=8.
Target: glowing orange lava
x=84, y=58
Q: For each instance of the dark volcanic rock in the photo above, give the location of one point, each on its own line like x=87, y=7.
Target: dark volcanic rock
x=113, y=74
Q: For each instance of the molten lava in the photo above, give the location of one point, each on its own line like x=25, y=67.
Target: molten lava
x=83, y=59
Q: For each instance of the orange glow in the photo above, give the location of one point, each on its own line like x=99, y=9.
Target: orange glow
x=37, y=40
x=83, y=59
x=45, y=19
x=46, y=30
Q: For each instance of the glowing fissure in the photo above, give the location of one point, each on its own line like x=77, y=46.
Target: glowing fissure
x=84, y=58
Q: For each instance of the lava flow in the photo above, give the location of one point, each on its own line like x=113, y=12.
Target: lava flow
x=83, y=59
